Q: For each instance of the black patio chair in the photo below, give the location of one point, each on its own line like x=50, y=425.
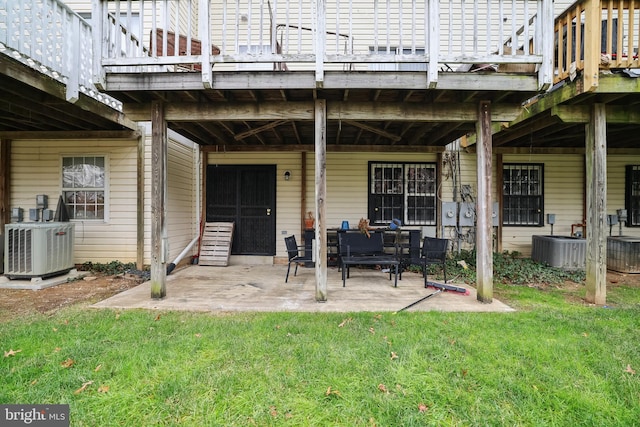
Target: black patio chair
x=293, y=250
x=434, y=251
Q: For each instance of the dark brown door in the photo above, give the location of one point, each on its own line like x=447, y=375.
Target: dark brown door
x=245, y=195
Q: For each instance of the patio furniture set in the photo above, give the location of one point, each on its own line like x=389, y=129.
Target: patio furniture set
x=357, y=249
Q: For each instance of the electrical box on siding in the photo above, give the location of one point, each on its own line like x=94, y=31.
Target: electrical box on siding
x=495, y=215
x=449, y=214
x=467, y=214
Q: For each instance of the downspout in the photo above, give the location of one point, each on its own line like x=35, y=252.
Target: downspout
x=198, y=160
x=172, y=266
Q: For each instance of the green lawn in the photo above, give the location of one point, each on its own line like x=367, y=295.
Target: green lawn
x=550, y=363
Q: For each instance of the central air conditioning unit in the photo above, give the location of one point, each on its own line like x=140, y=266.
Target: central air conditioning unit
x=38, y=249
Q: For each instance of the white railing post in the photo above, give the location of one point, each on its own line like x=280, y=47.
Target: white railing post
x=204, y=26
x=545, y=73
x=320, y=34
x=434, y=43
x=73, y=60
x=100, y=38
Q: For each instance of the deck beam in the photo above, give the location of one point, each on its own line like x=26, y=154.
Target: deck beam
x=335, y=110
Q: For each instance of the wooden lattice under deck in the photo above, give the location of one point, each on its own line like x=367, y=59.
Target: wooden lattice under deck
x=216, y=244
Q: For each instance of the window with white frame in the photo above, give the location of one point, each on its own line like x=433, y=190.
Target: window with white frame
x=404, y=191
x=83, y=186
x=522, y=194
x=632, y=195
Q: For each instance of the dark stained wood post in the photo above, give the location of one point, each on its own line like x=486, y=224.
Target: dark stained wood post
x=5, y=175
x=321, y=193
x=484, y=206
x=596, y=232
x=158, y=201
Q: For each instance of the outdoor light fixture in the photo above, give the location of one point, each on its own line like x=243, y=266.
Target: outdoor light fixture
x=287, y=175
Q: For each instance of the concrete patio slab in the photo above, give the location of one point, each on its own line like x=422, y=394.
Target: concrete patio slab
x=262, y=288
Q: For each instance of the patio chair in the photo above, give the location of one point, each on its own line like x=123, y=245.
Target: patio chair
x=293, y=250
x=434, y=251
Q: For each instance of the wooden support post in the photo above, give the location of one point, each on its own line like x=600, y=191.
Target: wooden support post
x=140, y=201
x=5, y=187
x=596, y=177
x=321, y=194
x=484, y=249
x=158, y=201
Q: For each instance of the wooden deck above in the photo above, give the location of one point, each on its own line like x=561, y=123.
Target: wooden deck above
x=405, y=74
x=371, y=113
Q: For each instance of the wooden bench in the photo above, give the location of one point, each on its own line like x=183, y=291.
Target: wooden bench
x=356, y=248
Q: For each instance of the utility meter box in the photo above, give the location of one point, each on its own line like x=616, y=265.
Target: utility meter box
x=449, y=214
x=495, y=215
x=467, y=214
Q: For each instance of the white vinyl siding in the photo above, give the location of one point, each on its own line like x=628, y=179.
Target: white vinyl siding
x=563, y=196
x=36, y=169
x=616, y=165
x=182, y=216
x=347, y=186
x=347, y=182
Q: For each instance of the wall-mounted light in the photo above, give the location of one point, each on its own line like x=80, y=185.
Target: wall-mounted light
x=287, y=175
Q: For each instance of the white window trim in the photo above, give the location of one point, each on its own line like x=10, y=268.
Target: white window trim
x=107, y=179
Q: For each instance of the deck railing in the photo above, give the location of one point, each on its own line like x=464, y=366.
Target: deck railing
x=48, y=36
x=593, y=35
x=378, y=35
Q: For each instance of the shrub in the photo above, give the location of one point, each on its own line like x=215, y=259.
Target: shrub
x=508, y=268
